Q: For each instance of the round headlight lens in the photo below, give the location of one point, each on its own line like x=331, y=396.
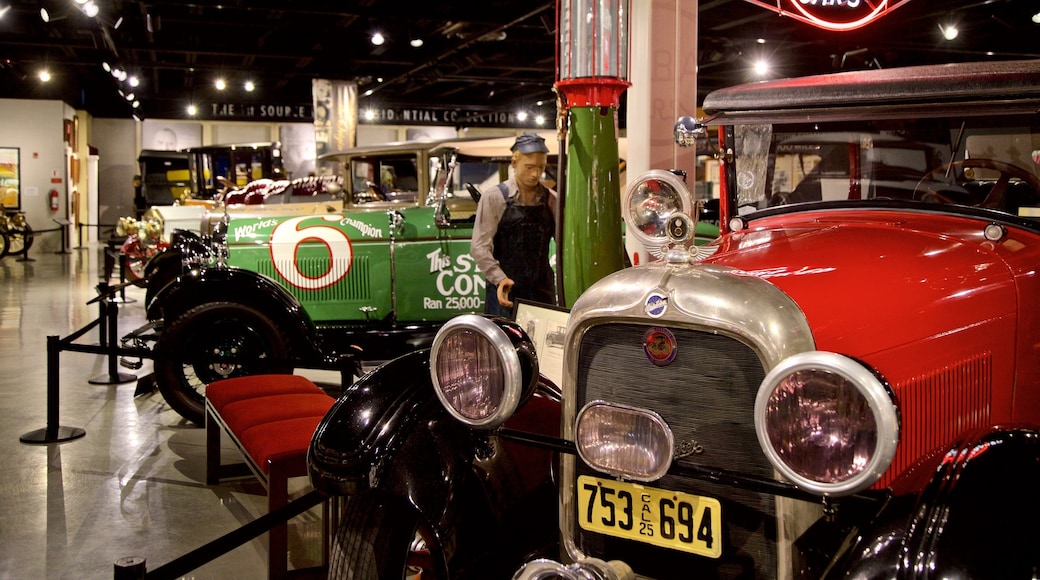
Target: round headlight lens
x=827, y=423
x=476, y=372
x=624, y=441
x=650, y=200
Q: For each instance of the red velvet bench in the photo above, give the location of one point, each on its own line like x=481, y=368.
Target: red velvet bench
x=271, y=419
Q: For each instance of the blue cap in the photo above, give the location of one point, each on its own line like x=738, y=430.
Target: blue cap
x=529, y=143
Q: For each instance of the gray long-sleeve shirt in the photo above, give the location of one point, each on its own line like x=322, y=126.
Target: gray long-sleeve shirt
x=489, y=212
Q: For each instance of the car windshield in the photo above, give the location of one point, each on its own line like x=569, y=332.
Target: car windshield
x=957, y=163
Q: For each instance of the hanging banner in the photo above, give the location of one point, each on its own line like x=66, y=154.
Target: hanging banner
x=335, y=115
x=837, y=15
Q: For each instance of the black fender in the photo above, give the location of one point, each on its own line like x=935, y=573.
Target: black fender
x=229, y=284
x=968, y=510
x=389, y=432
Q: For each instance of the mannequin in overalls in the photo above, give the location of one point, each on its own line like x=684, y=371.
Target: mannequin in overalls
x=514, y=223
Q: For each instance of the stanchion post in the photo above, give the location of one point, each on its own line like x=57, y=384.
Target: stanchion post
x=102, y=319
x=113, y=377
x=52, y=433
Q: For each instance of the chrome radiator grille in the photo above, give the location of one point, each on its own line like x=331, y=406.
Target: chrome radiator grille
x=707, y=397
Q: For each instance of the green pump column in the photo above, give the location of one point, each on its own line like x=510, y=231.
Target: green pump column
x=592, y=244
x=593, y=72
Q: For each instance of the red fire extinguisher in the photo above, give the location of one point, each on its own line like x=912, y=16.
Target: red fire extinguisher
x=54, y=200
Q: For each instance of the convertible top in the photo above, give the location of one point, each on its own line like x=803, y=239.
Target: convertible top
x=932, y=89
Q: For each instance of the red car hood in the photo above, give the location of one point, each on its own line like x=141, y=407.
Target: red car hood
x=882, y=280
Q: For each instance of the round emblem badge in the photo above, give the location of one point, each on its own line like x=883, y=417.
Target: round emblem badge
x=655, y=305
x=659, y=346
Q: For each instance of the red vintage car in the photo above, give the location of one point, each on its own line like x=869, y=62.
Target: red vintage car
x=846, y=383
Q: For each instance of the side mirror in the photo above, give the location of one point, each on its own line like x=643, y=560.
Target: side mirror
x=687, y=130
x=473, y=192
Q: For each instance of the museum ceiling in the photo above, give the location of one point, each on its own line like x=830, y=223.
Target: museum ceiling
x=487, y=55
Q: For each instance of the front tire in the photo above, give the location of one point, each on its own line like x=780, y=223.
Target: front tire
x=381, y=538
x=211, y=342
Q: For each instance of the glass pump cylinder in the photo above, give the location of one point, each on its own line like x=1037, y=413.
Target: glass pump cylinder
x=593, y=53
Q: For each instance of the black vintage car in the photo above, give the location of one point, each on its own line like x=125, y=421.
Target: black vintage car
x=845, y=384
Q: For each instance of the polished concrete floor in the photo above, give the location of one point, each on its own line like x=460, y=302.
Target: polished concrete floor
x=134, y=484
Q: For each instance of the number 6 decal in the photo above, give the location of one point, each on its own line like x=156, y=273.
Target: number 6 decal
x=286, y=240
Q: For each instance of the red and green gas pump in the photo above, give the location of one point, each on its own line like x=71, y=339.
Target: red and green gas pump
x=593, y=73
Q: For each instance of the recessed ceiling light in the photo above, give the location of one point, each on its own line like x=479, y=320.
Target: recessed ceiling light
x=220, y=84
x=378, y=39
x=250, y=86
x=416, y=42
x=1036, y=18
x=45, y=76
x=192, y=110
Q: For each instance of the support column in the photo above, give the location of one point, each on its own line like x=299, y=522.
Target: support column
x=664, y=87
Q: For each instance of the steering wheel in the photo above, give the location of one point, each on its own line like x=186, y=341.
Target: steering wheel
x=926, y=191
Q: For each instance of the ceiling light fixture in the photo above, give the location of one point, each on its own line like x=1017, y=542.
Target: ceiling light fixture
x=220, y=84
x=416, y=42
x=1036, y=18
x=761, y=67
x=133, y=81
x=91, y=9
x=949, y=31
x=378, y=39
x=192, y=110
x=250, y=86
x=4, y=11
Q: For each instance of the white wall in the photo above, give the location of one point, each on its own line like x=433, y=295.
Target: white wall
x=116, y=141
x=36, y=128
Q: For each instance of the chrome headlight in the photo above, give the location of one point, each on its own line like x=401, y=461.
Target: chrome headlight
x=624, y=441
x=126, y=226
x=482, y=369
x=827, y=422
x=649, y=201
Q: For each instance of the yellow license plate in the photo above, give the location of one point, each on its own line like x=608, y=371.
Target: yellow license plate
x=669, y=519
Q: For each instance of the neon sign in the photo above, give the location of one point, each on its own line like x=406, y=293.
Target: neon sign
x=837, y=15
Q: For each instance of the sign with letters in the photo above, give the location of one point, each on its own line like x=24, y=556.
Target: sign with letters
x=836, y=15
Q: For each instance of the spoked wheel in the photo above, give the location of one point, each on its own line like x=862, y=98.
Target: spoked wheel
x=380, y=538
x=4, y=244
x=136, y=255
x=20, y=239
x=211, y=342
